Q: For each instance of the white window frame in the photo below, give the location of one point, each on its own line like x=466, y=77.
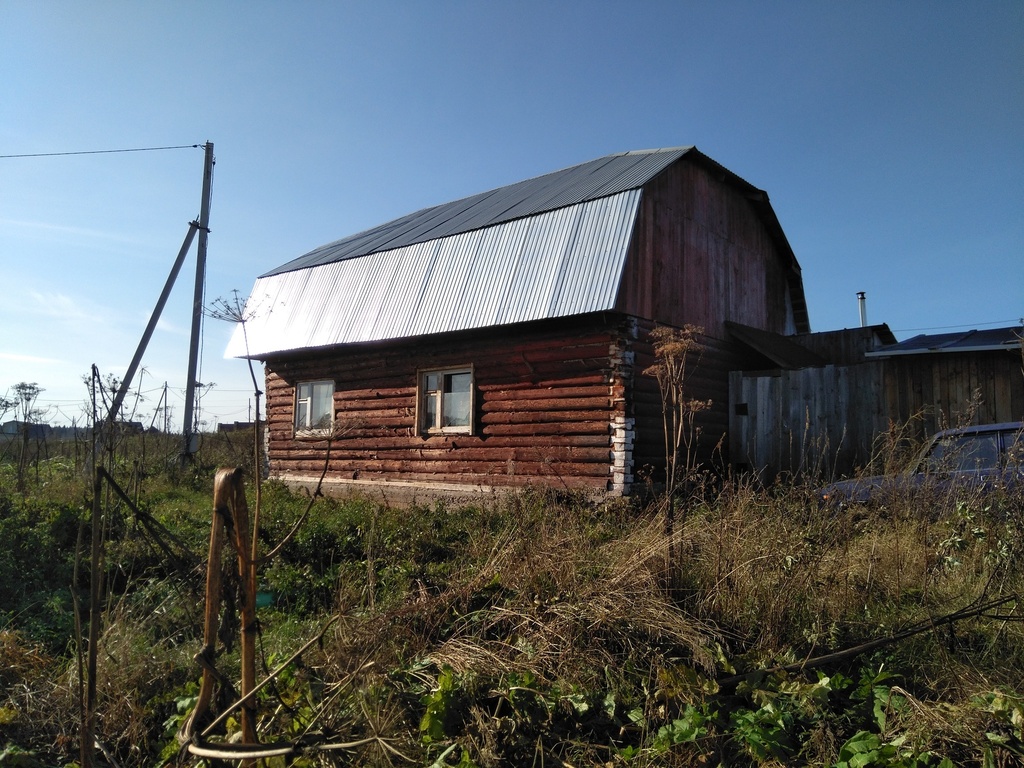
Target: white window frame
x=313, y=423
x=424, y=396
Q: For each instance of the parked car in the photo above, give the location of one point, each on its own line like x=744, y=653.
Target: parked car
x=984, y=457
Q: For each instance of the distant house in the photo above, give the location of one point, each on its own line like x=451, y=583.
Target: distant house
x=499, y=340
x=35, y=430
x=234, y=426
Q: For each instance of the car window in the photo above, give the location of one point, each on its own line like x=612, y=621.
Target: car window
x=964, y=452
x=1013, y=447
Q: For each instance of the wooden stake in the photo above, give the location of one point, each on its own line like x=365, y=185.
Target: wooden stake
x=230, y=515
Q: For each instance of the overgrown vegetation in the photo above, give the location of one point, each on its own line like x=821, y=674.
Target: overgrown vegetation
x=527, y=630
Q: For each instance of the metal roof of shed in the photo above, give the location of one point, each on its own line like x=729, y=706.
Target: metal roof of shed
x=988, y=340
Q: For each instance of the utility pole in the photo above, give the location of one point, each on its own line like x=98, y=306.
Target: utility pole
x=88, y=708
x=188, y=431
x=161, y=407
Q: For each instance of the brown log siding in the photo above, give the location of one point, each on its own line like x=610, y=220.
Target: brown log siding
x=546, y=398
x=708, y=380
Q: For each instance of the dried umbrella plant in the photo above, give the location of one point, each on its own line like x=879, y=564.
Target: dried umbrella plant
x=674, y=350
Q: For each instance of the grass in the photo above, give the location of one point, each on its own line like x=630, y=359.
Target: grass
x=536, y=628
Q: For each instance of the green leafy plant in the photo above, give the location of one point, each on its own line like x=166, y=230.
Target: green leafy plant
x=441, y=708
x=868, y=750
x=1008, y=712
x=692, y=724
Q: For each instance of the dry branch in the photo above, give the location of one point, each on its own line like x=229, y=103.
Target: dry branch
x=976, y=609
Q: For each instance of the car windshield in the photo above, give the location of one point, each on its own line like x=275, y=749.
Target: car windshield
x=962, y=453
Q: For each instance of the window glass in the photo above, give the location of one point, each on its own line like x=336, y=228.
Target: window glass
x=456, y=399
x=323, y=400
x=965, y=452
x=446, y=401
x=314, y=406
x=431, y=410
x=1013, y=448
x=978, y=452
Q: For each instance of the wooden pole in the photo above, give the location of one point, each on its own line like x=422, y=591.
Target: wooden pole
x=231, y=514
x=151, y=326
x=95, y=595
x=229, y=484
x=188, y=430
x=211, y=624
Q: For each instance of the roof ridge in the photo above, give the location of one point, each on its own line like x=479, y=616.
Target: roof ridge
x=583, y=182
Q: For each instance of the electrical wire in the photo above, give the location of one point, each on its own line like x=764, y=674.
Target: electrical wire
x=970, y=326
x=101, y=151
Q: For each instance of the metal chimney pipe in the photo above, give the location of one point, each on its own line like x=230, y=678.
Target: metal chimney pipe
x=862, y=304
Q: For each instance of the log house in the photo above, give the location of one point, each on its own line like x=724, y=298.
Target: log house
x=499, y=341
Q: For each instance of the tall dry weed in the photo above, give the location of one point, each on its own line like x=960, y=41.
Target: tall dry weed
x=777, y=573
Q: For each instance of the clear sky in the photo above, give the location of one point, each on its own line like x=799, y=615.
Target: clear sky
x=889, y=137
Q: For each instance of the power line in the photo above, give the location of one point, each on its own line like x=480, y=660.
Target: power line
x=1016, y=321
x=102, y=151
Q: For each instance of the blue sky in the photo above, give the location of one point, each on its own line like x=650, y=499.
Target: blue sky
x=889, y=137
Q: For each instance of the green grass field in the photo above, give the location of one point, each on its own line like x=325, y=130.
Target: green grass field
x=534, y=629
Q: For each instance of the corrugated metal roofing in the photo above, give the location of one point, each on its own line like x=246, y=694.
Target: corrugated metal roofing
x=550, y=246
x=562, y=262
x=603, y=177
x=991, y=339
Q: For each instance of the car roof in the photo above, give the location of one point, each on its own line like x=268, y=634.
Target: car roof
x=1006, y=426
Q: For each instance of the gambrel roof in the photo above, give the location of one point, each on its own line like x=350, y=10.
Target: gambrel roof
x=548, y=247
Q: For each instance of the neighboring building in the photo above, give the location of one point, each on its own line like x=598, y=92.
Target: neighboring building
x=36, y=430
x=235, y=426
x=976, y=377
x=826, y=417
x=500, y=340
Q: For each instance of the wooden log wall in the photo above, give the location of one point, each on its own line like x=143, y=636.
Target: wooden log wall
x=708, y=380
x=547, y=400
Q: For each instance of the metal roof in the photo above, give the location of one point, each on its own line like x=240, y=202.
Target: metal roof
x=555, y=264
x=581, y=183
x=989, y=340
x=551, y=246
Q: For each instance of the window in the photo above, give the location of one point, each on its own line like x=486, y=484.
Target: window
x=314, y=407
x=964, y=453
x=446, y=401
x=1013, y=449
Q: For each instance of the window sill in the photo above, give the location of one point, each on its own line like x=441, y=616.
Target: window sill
x=312, y=434
x=451, y=431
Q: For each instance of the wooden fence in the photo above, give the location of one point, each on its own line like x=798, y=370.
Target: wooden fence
x=825, y=422
x=816, y=421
